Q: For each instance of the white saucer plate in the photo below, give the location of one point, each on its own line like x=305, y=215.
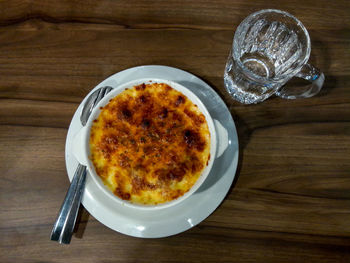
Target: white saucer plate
x=193, y=210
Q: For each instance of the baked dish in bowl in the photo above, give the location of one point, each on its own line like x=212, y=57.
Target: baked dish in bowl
x=148, y=144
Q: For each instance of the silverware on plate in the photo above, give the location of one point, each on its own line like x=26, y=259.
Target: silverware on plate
x=64, y=225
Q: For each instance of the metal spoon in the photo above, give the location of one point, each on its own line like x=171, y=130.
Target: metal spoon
x=64, y=225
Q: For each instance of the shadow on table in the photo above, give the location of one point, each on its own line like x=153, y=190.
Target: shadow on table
x=81, y=222
x=244, y=134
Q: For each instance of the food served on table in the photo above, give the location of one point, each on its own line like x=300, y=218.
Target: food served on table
x=150, y=144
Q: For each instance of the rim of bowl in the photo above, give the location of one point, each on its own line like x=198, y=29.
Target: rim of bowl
x=194, y=99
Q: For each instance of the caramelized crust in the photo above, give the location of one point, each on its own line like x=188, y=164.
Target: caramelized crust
x=150, y=144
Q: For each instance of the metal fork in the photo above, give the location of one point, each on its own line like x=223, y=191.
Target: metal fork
x=63, y=228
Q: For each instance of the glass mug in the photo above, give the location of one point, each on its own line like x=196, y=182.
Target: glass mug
x=269, y=48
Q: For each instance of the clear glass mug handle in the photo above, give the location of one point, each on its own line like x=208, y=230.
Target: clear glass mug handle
x=310, y=73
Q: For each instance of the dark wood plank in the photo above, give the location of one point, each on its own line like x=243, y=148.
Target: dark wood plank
x=269, y=209
x=36, y=113
x=63, y=69
x=187, y=14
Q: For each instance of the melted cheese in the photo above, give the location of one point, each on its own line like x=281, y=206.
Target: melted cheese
x=150, y=144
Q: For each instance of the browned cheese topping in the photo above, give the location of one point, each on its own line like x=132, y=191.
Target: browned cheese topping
x=150, y=144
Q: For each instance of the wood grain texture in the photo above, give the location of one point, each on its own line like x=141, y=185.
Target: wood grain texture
x=291, y=197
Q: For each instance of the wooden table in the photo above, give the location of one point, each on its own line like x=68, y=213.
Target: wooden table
x=290, y=201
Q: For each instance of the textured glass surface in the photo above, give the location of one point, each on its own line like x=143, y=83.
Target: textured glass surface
x=269, y=48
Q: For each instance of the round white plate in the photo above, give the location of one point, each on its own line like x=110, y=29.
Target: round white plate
x=193, y=210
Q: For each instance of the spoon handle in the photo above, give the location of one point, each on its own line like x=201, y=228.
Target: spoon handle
x=64, y=225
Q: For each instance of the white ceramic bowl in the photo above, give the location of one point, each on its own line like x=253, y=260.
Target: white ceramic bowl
x=81, y=147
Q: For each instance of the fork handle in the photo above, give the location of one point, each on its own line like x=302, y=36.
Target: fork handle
x=64, y=225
